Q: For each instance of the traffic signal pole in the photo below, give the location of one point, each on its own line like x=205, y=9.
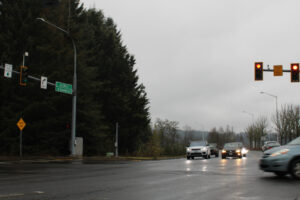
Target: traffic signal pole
x=74, y=100
x=271, y=70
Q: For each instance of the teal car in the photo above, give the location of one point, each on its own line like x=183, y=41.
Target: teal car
x=283, y=160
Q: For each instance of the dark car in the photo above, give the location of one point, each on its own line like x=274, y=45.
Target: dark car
x=233, y=149
x=269, y=145
x=214, y=150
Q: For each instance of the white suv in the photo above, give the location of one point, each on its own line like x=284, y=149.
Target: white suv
x=198, y=149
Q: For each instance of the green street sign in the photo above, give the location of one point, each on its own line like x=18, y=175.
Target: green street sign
x=63, y=88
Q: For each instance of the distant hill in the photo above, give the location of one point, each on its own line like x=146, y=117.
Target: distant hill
x=197, y=135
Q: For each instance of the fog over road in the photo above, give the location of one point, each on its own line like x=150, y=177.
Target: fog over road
x=146, y=180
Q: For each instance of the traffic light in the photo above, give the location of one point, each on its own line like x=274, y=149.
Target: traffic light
x=295, y=72
x=23, y=75
x=258, y=69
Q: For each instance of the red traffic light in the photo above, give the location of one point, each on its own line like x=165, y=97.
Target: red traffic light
x=258, y=71
x=295, y=72
x=258, y=65
x=295, y=67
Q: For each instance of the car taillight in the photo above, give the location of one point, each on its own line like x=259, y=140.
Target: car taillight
x=269, y=147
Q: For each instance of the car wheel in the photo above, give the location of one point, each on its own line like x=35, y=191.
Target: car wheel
x=295, y=169
x=193, y=157
x=280, y=174
x=188, y=157
x=245, y=155
x=217, y=155
x=223, y=157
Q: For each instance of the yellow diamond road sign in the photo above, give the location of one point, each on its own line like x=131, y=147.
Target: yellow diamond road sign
x=21, y=124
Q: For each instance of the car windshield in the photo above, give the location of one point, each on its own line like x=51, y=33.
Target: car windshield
x=295, y=141
x=273, y=144
x=231, y=145
x=270, y=142
x=213, y=145
x=197, y=143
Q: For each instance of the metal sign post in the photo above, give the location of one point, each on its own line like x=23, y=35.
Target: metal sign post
x=21, y=143
x=21, y=124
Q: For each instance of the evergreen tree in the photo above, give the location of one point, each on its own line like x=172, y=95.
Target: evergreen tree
x=108, y=88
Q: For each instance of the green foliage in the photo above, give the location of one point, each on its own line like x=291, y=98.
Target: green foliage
x=256, y=131
x=108, y=88
x=152, y=147
x=170, y=142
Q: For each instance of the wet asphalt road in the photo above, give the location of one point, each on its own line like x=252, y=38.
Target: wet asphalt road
x=146, y=180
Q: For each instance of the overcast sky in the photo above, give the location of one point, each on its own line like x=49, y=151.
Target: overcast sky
x=196, y=57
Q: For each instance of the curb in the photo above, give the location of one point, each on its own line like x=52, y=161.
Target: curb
x=82, y=159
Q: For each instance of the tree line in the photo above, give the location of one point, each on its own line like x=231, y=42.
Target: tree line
x=167, y=139
x=286, y=125
x=109, y=90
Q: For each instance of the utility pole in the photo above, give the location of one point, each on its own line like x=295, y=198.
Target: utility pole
x=117, y=140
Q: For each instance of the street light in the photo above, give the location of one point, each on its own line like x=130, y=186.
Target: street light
x=274, y=96
x=74, y=85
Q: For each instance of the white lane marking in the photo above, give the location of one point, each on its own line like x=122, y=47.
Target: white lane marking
x=19, y=194
x=38, y=192
x=11, y=195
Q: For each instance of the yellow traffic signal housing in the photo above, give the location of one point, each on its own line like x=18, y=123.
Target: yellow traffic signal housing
x=23, y=75
x=258, y=71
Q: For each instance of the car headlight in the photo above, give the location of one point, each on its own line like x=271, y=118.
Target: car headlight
x=188, y=149
x=204, y=149
x=280, y=152
x=238, y=150
x=223, y=151
x=244, y=151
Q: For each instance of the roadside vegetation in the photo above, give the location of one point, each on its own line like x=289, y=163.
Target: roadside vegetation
x=286, y=124
x=109, y=90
